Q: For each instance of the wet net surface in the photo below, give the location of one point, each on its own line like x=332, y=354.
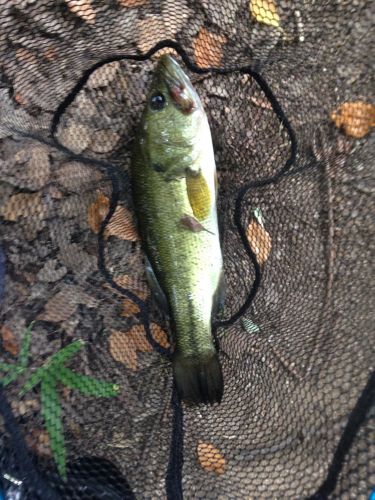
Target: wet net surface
x=296, y=205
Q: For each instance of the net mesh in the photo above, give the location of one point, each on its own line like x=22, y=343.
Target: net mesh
x=87, y=399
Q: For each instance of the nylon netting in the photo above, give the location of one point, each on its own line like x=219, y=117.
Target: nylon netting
x=287, y=90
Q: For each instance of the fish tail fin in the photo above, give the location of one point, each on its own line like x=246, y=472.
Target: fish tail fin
x=199, y=379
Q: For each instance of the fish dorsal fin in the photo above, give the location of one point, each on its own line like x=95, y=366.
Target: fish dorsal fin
x=199, y=195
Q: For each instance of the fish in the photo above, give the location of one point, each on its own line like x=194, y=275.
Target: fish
x=173, y=175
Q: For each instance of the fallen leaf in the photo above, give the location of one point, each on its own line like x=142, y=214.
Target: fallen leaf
x=10, y=343
x=123, y=346
x=355, y=118
x=193, y=224
x=25, y=55
x=208, y=48
x=259, y=240
x=136, y=286
x=104, y=75
x=199, y=196
x=38, y=441
x=83, y=9
x=131, y=3
x=160, y=335
x=121, y=224
x=210, y=458
x=129, y=308
x=64, y=303
x=19, y=99
x=150, y=31
x=264, y=11
x=50, y=53
x=22, y=205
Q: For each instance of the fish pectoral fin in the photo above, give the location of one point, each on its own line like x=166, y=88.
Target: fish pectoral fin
x=219, y=296
x=199, y=196
x=155, y=287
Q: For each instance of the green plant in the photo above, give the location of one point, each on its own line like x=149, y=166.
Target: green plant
x=49, y=375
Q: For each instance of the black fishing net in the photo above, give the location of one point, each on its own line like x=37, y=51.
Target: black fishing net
x=88, y=404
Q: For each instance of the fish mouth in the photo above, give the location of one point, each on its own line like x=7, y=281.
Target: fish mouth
x=179, y=86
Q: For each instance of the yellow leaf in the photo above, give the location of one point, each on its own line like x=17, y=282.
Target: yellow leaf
x=83, y=9
x=199, y=196
x=121, y=224
x=264, y=11
x=259, y=240
x=210, y=458
x=355, y=118
x=208, y=48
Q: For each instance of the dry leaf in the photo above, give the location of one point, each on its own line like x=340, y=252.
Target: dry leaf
x=64, y=303
x=199, y=196
x=50, y=53
x=150, y=31
x=83, y=9
x=38, y=441
x=160, y=335
x=264, y=11
x=356, y=118
x=129, y=308
x=131, y=3
x=25, y=55
x=10, y=343
x=19, y=99
x=208, y=48
x=121, y=224
x=259, y=240
x=210, y=458
x=123, y=346
x=136, y=286
x=22, y=205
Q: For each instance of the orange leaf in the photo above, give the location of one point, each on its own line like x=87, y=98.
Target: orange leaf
x=129, y=308
x=50, y=53
x=356, y=118
x=259, y=240
x=83, y=9
x=121, y=224
x=159, y=335
x=19, y=99
x=10, y=342
x=123, y=346
x=132, y=3
x=134, y=285
x=210, y=458
x=208, y=48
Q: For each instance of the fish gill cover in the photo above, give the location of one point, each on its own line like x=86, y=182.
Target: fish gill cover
x=87, y=398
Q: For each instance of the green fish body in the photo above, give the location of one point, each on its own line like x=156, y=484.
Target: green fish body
x=174, y=188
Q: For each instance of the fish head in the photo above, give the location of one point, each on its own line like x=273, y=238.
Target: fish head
x=172, y=117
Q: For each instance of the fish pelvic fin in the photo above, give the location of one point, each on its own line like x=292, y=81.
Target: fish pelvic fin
x=199, y=379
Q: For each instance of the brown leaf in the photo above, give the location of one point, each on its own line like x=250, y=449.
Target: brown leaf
x=129, y=308
x=83, y=9
x=160, y=335
x=136, y=286
x=64, y=303
x=38, y=441
x=259, y=240
x=25, y=55
x=131, y=3
x=208, y=48
x=50, y=53
x=355, y=118
x=121, y=224
x=23, y=205
x=210, y=458
x=123, y=346
x=19, y=99
x=150, y=31
x=10, y=343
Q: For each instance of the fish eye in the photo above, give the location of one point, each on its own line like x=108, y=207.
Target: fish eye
x=157, y=102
